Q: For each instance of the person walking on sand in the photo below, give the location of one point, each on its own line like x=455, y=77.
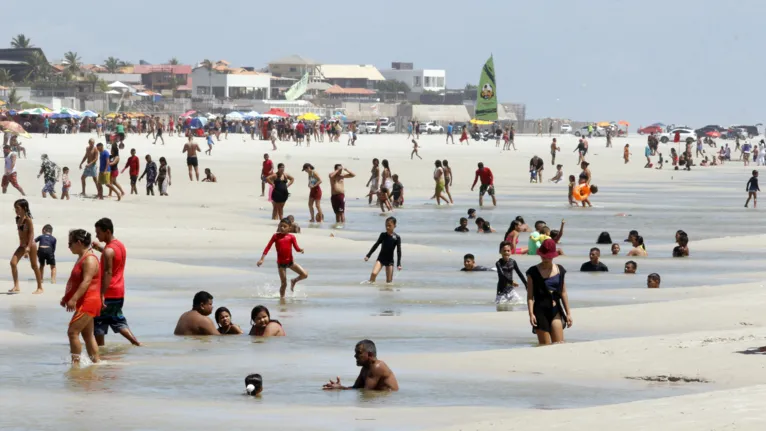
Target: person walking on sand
x=487, y=184
x=163, y=178
x=112, y=270
x=554, y=149
x=266, y=171
x=134, y=164
x=83, y=297
x=285, y=242
x=191, y=148
x=440, y=183
x=27, y=246
x=150, y=171
x=315, y=192
x=91, y=157
x=160, y=127
x=547, y=298
x=415, y=150
x=51, y=173
x=375, y=374
x=752, y=189
x=9, y=174
x=338, y=192
x=104, y=175
x=374, y=182
x=389, y=242
x=46, y=252
x=210, y=143
x=464, y=135
x=450, y=135
x=114, y=170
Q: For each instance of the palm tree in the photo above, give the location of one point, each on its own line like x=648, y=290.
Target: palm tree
x=112, y=65
x=102, y=86
x=173, y=61
x=207, y=64
x=73, y=62
x=13, y=99
x=21, y=41
x=5, y=77
x=92, y=78
x=39, y=68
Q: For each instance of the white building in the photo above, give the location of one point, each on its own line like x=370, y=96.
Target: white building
x=224, y=82
x=419, y=80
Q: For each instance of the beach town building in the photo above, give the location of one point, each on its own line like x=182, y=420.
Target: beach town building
x=165, y=78
x=419, y=80
x=222, y=81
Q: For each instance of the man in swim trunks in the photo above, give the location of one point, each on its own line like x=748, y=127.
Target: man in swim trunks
x=113, y=256
x=338, y=192
x=487, y=184
x=91, y=157
x=104, y=178
x=266, y=171
x=191, y=148
x=375, y=374
x=195, y=321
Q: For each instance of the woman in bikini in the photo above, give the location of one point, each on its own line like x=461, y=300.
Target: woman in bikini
x=512, y=237
x=315, y=192
x=585, y=175
x=83, y=296
x=27, y=246
x=225, y=327
x=447, y=179
x=386, y=178
x=263, y=324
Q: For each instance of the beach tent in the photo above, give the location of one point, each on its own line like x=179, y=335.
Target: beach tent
x=250, y=115
x=277, y=112
x=118, y=84
x=89, y=114
x=236, y=116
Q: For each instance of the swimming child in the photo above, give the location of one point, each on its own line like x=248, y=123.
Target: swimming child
x=559, y=174
x=254, y=384
x=397, y=192
x=284, y=243
x=483, y=226
x=626, y=153
x=752, y=189
x=389, y=241
x=571, y=191
x=65, y=183
x=415, y=150
x=225, y=326
x=471, y=213
x=46, y=251
x=463, y=225
x=506, y=266
x=469, y=264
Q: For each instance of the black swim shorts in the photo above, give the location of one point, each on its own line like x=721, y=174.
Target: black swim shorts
x=192, y=161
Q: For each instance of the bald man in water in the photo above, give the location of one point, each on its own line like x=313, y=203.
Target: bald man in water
x=196, y=320
x=375, y=374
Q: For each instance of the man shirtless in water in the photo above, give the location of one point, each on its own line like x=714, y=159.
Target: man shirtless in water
x=91, y=156
x=375, y=374
x=338, y=192
x=196, y=320
x=191, y=148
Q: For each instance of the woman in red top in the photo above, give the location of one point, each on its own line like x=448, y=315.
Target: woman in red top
x=285, y=242
x=171, y=125
x=83, y=296
x=464, y=135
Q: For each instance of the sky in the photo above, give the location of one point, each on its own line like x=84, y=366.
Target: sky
x=676, y=61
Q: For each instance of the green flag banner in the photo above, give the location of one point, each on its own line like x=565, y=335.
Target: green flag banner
x=298, y=88
x=486, y=102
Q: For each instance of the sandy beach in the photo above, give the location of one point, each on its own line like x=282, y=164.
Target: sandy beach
x=635, y=359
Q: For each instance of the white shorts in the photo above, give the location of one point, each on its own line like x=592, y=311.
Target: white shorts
x=511, y=297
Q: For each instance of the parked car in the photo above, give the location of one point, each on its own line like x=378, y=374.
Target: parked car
x=566, y=128
x=367, y=127
x=751, y=131
x=431, y=127
x=710, y=128
x=684, y=134
x=648, y=130
x=388, y=127
x=597, y=131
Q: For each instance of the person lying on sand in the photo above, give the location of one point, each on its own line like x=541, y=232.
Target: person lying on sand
x=375, y=374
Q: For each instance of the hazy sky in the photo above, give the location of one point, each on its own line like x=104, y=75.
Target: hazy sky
x=682, y=61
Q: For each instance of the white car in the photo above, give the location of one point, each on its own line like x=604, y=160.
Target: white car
x=388, y=127
x=683, y=132
x=583, y=131
x=431, y=127
x=367, y=127
x=566, y=128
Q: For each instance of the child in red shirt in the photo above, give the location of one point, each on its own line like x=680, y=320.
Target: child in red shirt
x=285, y=242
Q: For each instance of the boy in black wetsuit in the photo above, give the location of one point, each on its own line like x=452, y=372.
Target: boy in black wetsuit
x=505, y=269
x=752, y=189
x=463, y=225
x=46, y=251
x=389, y=241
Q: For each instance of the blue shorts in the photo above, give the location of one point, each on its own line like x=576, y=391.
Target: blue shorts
x=111, y=316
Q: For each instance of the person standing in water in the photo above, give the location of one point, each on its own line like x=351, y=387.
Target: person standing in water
x=338, y=192
x=752, y=189
x=506, y=266
x=266, y=170
x=191, y=148
x=447, y=179
x=440, y=183
x=46, y=252
x=285, y=242
x=281, y=182
x=374, y=182
x=27, y=245
x=375, y=374
x=547, y=297
x=389, y=241
x=83, y=296
x=113, y=257
x=315, y=192
x=487, y=184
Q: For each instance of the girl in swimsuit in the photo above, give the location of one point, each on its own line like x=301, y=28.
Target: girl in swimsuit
x=315, y=192
x=163, y=178
x=638, y=246
x=83, y=296
x=388, y=183
x=512, y=237
x=263, y=324
x=447, y=179
x=281, y=182
x=27, y=247
x=389, y=241
x=114, y=168
x=285, y=242
x=225, y=327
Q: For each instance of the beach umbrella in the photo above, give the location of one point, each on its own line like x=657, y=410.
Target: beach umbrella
x=623, y=123
x=604, y=124
x=252, y=114
x=188, y=113
x=118, y=84
x=713, y=134
x=198, y=122
x=68, y=111
x=481, y=122
x=2, y=103
x=89, y=114
x=310, y=116
x=15, y=128
x=277, y=112
x=35, y=111
x=236, y=116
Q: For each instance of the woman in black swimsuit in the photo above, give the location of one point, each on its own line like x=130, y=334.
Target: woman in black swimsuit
x=281, y=181
x=547, y=297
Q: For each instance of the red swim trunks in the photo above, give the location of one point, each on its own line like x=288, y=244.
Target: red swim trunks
x=338, y=202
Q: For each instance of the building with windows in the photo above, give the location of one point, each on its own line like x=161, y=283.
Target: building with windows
x=222, y=81
x=419, y=80
x=351, y=75
x=159, y=77
x=294, y=67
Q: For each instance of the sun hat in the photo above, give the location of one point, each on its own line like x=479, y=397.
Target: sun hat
x=548, y=249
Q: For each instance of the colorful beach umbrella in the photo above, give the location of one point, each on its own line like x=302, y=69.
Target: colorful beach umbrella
x=277, y=112
x=623, y=123
x=89, y=114
x=481, y=122
x=309, y=116
x=15, y=128
x=188, y=113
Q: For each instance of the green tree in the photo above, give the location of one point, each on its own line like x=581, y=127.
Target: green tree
x=73, y=62
x=112, y=65
x=13, y=99
x=39, y=68
x=207, y=64
x=392, y=86
x=21, y=41
x=173, y=61
x=5, y=77
x=102, y=86
x=92, y=78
